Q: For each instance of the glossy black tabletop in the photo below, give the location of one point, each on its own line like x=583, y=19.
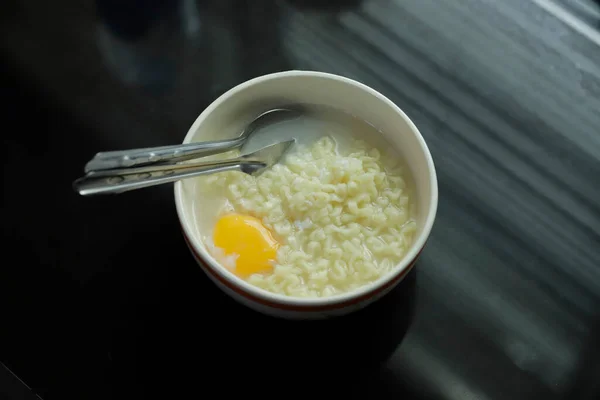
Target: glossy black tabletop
x=100, y=298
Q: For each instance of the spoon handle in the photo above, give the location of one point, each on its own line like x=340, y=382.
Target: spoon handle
x=112, y=182
x=135, y=157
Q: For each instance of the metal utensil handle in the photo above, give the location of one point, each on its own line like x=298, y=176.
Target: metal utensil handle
x=152, y=168
x=175, y=153
x=100, y=183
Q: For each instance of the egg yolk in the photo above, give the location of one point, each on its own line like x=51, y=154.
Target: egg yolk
x=248, y=239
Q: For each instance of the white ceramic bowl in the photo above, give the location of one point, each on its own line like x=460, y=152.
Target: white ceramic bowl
x=235, y=109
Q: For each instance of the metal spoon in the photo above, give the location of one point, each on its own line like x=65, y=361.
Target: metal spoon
x=182, y=152
x=124, y=179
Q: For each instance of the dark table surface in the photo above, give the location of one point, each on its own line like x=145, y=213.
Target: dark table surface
x=100, y=298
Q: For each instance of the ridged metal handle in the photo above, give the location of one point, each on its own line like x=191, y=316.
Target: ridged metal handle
x=131, y=158
x=112, y=182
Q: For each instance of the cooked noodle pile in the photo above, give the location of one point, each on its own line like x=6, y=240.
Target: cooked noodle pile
x=343, y=220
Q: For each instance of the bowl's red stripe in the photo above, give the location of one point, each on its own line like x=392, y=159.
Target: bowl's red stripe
x=304, y=308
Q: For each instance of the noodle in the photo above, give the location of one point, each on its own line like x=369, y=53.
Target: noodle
x=343, y=220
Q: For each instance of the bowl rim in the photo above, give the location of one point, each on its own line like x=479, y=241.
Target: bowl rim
x=274, y=298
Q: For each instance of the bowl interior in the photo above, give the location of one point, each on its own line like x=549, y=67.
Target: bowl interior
x=229, y=114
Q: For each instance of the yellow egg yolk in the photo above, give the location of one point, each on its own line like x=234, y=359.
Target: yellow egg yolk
x=248, y=239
